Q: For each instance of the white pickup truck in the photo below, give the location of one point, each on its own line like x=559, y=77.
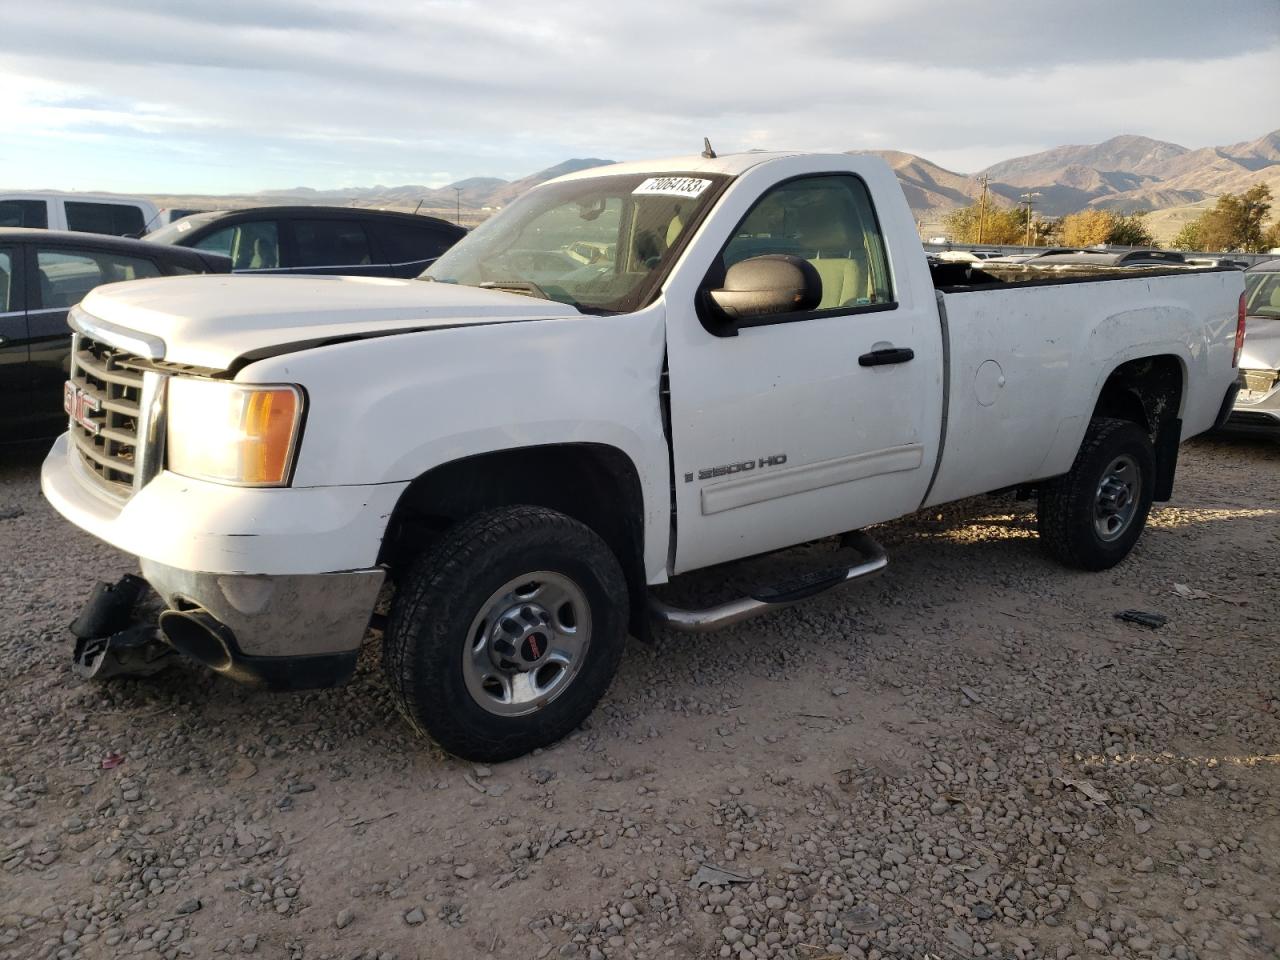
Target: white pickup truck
x=630, y=373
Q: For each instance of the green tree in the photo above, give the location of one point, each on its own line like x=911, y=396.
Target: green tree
x=1130, y=230
x=1188, y=237
x=1235, y=222
x=999, y=226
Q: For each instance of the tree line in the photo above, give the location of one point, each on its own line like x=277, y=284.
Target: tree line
x=1236, y=223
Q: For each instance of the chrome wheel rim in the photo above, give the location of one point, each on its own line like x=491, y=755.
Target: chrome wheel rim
x=527, y=643
x=1117, y=498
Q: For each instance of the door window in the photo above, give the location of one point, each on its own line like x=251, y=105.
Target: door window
x=409, y=243
x=330, y=243
x=116, y=219
x=251, y=246
x=24, y=213
x=6, y=282
x=829, y=221
x=66, y=276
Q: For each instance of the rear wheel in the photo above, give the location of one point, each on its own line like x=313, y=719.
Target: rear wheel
x=1091, y=517
x=505, y=634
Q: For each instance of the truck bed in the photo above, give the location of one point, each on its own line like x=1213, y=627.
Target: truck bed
x=959, y=277
x=1027, y=350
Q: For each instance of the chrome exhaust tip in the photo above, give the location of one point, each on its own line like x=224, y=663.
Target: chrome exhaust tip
x=199, y=636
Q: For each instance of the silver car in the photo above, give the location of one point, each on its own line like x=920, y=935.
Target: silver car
x=1257, y=408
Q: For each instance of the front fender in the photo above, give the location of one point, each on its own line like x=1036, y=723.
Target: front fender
x=388, y=410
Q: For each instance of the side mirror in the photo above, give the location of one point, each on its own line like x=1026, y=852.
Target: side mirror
x=772, y=284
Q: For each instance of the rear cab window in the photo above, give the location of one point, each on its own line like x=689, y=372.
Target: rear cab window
x=114, y=219
x=24, y=213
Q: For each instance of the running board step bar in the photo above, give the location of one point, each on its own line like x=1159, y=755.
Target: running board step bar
x=777, y=596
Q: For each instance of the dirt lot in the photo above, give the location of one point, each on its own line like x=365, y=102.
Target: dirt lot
x=966, y=757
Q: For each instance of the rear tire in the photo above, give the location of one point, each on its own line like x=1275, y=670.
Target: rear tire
x=505, y=634
x=1091, y=517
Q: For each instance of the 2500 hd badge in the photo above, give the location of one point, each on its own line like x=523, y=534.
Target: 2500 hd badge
x=777, y=460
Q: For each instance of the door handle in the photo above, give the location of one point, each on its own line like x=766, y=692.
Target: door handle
x=882, y=358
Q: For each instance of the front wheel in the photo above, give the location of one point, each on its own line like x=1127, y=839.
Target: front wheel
x=1091, y=517
x=506, y=633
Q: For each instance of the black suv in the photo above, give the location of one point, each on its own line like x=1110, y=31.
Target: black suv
x=43, y=274
x=344, y=241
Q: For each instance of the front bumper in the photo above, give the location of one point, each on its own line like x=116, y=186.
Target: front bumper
x=304, y=615
x=289, y=573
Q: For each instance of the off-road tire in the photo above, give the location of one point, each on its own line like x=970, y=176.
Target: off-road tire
x=442, y=592
x=1065, y=507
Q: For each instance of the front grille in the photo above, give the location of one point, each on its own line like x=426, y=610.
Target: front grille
x=111, y=378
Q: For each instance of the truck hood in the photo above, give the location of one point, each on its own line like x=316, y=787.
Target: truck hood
x=212, y=321
x=1261, y=344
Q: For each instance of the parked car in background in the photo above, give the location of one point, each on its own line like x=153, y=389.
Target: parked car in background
x=1202, y=261
x=87, y=213
x=1111, y=258
x=1012, y=258
x=171, y=215
x=43, y=273
x=969, y=256
x=1257, y=407
x=343, y=241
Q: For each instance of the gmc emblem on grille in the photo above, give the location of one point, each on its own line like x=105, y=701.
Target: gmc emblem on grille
x=79, y=405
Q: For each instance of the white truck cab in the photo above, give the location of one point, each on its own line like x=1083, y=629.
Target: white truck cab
x=630, y=373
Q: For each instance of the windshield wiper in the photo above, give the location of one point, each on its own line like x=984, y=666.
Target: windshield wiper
x=527, y=287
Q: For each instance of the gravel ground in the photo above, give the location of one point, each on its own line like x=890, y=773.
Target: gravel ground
x=968, y=756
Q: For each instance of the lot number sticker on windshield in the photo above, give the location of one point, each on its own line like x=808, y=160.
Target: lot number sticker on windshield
x=671, y=187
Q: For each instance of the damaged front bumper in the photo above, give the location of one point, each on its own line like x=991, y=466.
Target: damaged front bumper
x=294, y=632
x=311, y=627
x=272, y=586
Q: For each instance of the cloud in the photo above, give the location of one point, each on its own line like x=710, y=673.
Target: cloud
x=164, y=95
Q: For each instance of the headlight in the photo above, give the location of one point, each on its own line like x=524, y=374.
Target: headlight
x=232, y=433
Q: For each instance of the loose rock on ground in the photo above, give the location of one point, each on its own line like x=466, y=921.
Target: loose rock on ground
x=969, y=756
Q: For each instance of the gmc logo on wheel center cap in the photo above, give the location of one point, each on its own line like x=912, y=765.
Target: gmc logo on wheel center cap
x=79, y=405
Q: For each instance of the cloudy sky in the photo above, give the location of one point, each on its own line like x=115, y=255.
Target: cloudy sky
x=238, y=95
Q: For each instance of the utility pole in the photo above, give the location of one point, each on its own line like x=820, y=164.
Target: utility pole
x=1029, y=199
x=982, y=207
x=457, y=215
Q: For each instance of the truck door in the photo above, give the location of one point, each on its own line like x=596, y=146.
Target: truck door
x=804, y=424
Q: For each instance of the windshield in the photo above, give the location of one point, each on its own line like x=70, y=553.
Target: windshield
x=174, y=232
x=602, y=244
x=1262, y=292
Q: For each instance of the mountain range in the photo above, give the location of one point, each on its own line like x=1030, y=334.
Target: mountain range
x=1125, y=173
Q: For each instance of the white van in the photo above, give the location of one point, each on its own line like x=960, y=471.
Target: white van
x=87, y=213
